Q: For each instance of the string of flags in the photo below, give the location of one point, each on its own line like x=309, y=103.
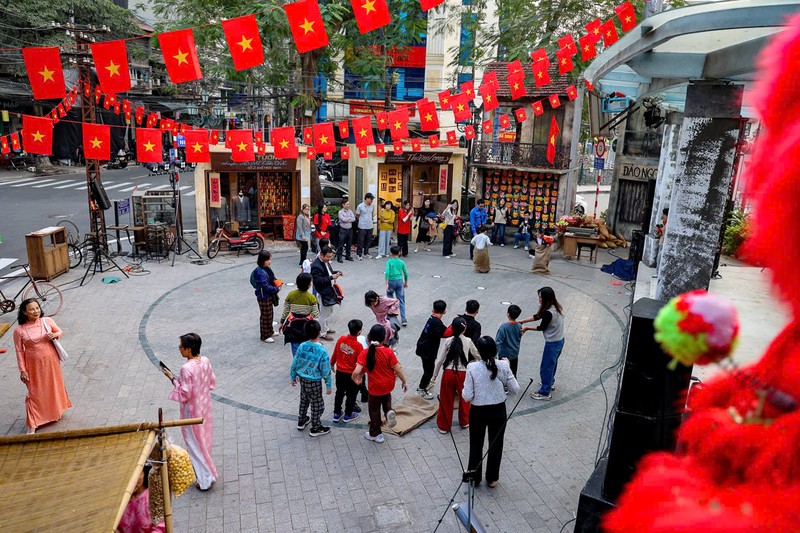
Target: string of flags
x=46, y=76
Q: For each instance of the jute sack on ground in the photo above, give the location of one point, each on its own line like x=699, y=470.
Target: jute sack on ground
x=541, y=263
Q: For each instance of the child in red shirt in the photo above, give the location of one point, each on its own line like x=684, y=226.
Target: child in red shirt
x=380, y=362
x=343, y=360
x=404, y=226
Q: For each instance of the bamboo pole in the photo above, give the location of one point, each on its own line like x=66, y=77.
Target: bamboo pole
x=94, y=432
x=148, y=447
x=165, y=475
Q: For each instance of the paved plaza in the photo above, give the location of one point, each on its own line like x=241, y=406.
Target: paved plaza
x=275, y=478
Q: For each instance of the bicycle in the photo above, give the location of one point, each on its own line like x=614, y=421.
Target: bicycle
x=49, y=295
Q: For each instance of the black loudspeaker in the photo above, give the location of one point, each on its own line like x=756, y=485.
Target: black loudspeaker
x=637, y=248
x=592, y=505
x=99, y=195
x=651, y=400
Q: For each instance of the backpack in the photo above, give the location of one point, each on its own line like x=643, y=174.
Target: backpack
x=253, y=278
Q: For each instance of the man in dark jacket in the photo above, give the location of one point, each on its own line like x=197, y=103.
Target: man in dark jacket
x=428, y=346
x=324, y=277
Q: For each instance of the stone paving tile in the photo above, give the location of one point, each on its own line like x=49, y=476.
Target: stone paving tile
x=275, y=478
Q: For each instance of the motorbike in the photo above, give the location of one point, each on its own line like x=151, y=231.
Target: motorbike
x=250, y=241
x=324, y=170
x=120, y=161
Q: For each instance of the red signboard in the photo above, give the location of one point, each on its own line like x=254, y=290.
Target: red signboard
x=213, y=190
x=507, y=137
x=360, y=107
x=409, y=56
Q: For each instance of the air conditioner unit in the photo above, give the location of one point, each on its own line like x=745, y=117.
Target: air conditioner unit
x=616, y=104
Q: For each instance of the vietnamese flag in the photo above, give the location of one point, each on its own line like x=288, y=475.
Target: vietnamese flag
x=516, y=84
x=383, y=120
x=460, y=107
x=572, y=92
x=469, y=132
x=362, y=131
x=593, y=29
x=214, y=136
x=111, y=64
x=565, y=63
x=489, y=95
x=554, y=100
x=433, y=141
x=244, y=42
x=520, y=114
x=541, y=74
x=242, y=147
x=344, y=130
x=567, y=43
x=589, y=84
x=627, y=16
x=323, y=137
x=505, y=122
x=551, y=140
x=370, y=14
x=468, y=88
x=398, y=123
x=345, y=153
x=428, y=119
x=45, y=73
x=416, y=145
x=308, y=136
x=489, y=79
x=538, y=109
x=487, y=127
x=588, y=47
x=362, y=152
x=259, y=135
x=98, y=93
x=398, y=147
x=514, y=67
x=180, y=55
x=311, y=154
x=444, y=99
x=282, y=140
x=37, y=135
x=609, y=31
x=139, y=115
x=305, y=21
x=430, y=4
x=15, y=142
x=4, y=148
x=380, y=150
x=148, y=145
x=97, y=141
x=327, y=156
x=261, y=147
x=452, y=140
x=540, y=55
x=197, y=146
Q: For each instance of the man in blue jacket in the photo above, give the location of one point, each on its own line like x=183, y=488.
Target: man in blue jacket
x=477, y=218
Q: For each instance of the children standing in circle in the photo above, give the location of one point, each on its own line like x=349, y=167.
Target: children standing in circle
x=383, y=368
x=552, y=326
x=454, y=356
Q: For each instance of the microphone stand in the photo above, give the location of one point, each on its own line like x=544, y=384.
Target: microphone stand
x=174, y=179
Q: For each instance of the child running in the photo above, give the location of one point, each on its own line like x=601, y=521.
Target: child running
x=344, y=360
x=312, y=365
x=383, y=368
x=397, y=281
x=509, y=336
x=428, y=346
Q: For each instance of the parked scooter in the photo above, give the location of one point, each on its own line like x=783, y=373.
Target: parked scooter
x=249, y=241
x=324, y=170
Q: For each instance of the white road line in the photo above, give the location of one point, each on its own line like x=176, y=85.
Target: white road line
x=11, y=182
x=81, y=188
x=184, y=187
x=66, y=186
x=124, y=183
x=129, y=189
x=190, y=193
x=26, y=184
x=55, y=183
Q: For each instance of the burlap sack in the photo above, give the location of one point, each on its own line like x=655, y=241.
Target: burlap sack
x=541, y=263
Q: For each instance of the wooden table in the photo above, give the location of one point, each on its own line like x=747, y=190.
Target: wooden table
x=571, y=243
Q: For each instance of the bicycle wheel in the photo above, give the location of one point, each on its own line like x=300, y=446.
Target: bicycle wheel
x=466, y=232
x=75, y=256
x=73, y=234
x=213, y=249
x=254, y=245
x=49, y=297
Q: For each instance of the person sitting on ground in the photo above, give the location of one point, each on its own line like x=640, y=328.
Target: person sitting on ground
x=524, y=230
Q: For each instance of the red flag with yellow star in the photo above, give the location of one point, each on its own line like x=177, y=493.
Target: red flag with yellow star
x=380, y=150
x=397, y=147
x=540, y=55
x=344, y=129
x=416, y=145
x=593, y=29
x=15, y=142
x=282, y=140
x=609, y=31
x=311, y=154
x=567, y=43
x=489, y=96
x=489, y=79
x=487, y=127
x=4, y=147
x=345, y=153
x=180, y=55
x=551, y=140
x=428, y=118
x=45, y=73
x=362, y=131
x=214, y=136
x=308, y=136
x=382, y=118
x=37, y=135
x=627, y=16
x=452, y=140
x=363, y=152
x=244, y=42
x=460, y=105
x=572, y=92
x=588, y=47
x=433, y=141
x=242, y=147
x=540, y=73
x=469, y=132
x=97, y=141
x=305, y=20
x=398, y=123
x=514, y=67
x=148, y=145
x=565, y=63
x=370, y=14
x=520, y=114
x=468, y=90
x=197, y=146
x=555, y=101
x=444, y=99
x=323, y=138
x=538, y=109
x=111, y=64
x=505, y=122
x=516, y=84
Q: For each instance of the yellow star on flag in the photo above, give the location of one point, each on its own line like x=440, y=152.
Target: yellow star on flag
x=516, y=86
x=47, y=74
x=38, y=136
x=627, y=19
x=197, y=147
x=596, y=31
x=461, y=107
x=181, y=57
x=488, y=98
x=242, y=146
x=284, y=143
x=148, y=146
x=608, y=33
x=445, y=100
x=553, y=139
x=307, y=26
x=96, y=143
x=323, y=139
x=113, y=69
x=539, y=74
x=586, y=48
x=369, y=5
x=397, y=125
x=245, y=43
x=563, y=60
x=469, y=92
x=428, y=117
x=363, y=132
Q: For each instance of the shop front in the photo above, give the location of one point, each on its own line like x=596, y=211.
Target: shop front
x=265, y=194
x=434, y=174
x=537, y=192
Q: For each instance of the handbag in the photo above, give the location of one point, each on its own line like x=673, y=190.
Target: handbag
x=424, y=225
x=338, y=293
x=276, y=300
x=62, y=353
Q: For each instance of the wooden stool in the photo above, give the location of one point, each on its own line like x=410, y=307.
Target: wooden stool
x=592, y=250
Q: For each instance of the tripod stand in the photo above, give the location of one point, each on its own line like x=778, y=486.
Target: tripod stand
x=98, y=249
x=174, y=178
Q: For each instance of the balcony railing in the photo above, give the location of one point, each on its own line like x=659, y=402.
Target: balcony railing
x=518, y=155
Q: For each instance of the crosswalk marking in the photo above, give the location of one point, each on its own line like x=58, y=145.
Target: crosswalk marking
x=124, y=183
x=184, y=187
x=190, y=193
x=129, y=189
x=11, y=182
x=68, y=185
x=81, y=188
x=26, y=184
x=55, y=183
